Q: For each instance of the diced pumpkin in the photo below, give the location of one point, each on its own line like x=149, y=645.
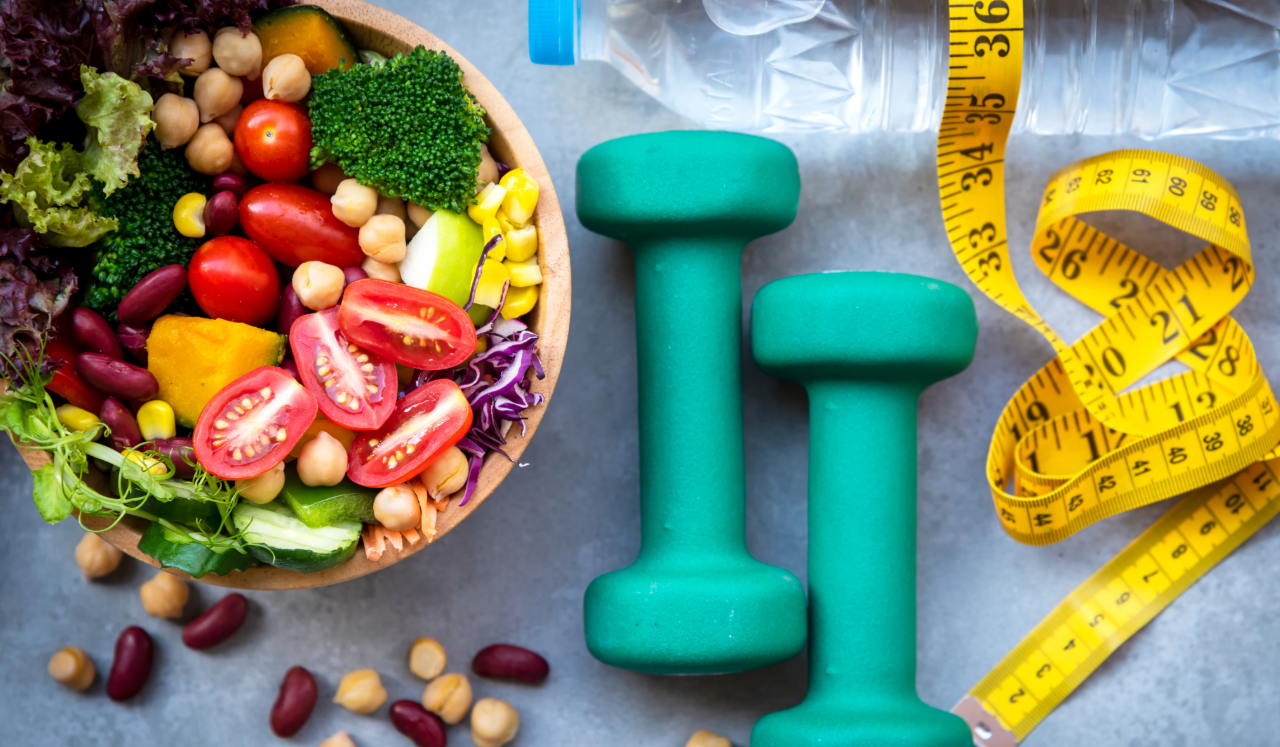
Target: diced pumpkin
x=309, y=32
x=193, y=359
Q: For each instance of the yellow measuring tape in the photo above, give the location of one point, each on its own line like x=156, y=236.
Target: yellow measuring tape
x=1073, y=446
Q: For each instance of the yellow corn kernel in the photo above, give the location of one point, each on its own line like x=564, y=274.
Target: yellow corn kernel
x=188, y=215
x=492, y=278
x=522, y=243
x=520, y=301
x=155, y=420
x=505, y=222
x=521, y=197
x=524, y=274
x=152, y=466
x=489, y=229
x=76, y=419
x=487, y=203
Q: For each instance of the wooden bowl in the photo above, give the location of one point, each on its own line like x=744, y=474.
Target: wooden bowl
x=387, y=33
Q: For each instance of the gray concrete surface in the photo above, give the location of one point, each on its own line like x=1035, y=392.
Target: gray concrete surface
x=1204, y=672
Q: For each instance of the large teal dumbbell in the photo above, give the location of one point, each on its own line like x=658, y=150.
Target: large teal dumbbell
x=864, y=345
x=695, y=601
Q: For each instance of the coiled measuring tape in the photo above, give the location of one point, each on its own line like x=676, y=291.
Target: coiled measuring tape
x=1075, y=445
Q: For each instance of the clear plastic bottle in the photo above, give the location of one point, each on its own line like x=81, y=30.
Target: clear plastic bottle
x=1154, y=68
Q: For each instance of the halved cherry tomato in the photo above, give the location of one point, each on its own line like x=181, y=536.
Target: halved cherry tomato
x=407, y=325
x=295, y=224
x=273, y=140
x=66, y=382
x=232, y=279
x=356, y=388
x=426, y=421
x=250, y=426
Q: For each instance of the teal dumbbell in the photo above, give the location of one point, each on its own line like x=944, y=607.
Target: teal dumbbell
x=864, y=345
x=695, y=601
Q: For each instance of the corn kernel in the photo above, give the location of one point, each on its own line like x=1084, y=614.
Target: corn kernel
x=524, y=274
x=522, y=243
x=505, y=222
x=188, y=215
x=155, y=420
x=487, y=203
x=521, y=197
x=519, y=301
x=151, y=466
x=492, y=278
x=76, y=419
x=490, y=229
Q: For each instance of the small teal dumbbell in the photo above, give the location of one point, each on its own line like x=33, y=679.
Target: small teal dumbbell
x=695, y=601
x=864, y=345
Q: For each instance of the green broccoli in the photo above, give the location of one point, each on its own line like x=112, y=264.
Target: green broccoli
x=146, y=238
x=407, y=127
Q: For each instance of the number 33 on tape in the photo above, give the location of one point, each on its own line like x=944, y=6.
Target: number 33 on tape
x=1074, y=446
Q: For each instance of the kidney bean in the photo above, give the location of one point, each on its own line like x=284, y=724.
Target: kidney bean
x=115, y=377
x=93, y=332
x=232, y=183
x=290, y=309
x=134, y=341
x=183, y=453
x=417, y=723
x=221, y=214
x=152, y=295
x=291, y=368
x=124, y=426
x=294, y=703
x=132, y=664
x=218, y=623
x=352, y=274
x=506, y=662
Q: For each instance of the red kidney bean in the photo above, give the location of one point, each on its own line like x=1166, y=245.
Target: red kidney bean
x=93, y=332
x=294, y=703
x=291, y=368
x=152, y=295
x=115, y=377
x=134, y=341
x=124, y=426
x=218, y=623
x=232, y=183
x=352, y=274
x=506, y=662
x=221, y=214
x=132, y=664
x=290, y=309
x=417, y=723
x=183, y=453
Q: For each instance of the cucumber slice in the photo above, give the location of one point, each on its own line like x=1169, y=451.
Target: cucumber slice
x=173, y=550
x=275, y=536
x=186, y=511
x=323, y=505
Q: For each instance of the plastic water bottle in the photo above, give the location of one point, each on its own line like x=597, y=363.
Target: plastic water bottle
x=1155, y=68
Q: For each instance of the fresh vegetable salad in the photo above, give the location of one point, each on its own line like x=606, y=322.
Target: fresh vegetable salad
x=270, y=284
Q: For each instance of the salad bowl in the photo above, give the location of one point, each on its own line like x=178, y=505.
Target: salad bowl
x=384, y=32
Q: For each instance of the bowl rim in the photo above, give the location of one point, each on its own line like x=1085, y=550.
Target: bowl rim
x=386, y=32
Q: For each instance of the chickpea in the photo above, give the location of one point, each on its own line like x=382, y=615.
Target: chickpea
x=195, y=47
x=285, y=78
x=164, y=595
x=338, y=739
x=449, y=697
x=354, y=203
x=380, y=270
x=397, y=508
x=382, y=238
x=176, y=119
x=446, y=475
x=361, y=691
x=391, y=206
x=323, y=461
x=327, y=178
x=228, y=121
x=418, y=215
x=318, y=285
x=704, y=738
x=493, y=722
x=72, y=668
x=96, y=557
x=427, y=658
x=216, y=93
x=488, y=167
x=263, y=488
x=237, y=52
x=210, y=151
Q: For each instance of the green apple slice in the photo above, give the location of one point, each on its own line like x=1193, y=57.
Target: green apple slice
x=443, y=255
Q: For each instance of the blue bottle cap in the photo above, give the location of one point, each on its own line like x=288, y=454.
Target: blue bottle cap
x=551, y=31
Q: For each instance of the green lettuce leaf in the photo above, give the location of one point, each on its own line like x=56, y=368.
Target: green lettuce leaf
x=116, y=111
x=50, y=502
x=48, y=189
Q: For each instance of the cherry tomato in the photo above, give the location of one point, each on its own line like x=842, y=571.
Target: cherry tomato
x=273, y=140
x=232, y=279
x=426, y=421
x=252, y=424
x=356, y=388
x=407, y=325
x=66, y=382
x=295, y=224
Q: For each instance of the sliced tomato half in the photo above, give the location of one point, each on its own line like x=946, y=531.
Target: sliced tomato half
x=252, y=424
x=410, y=326
x=426, y=421
x=356, y=388
x=66, y=382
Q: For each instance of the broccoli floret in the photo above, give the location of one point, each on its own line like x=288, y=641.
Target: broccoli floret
x=146, y=239
x=407, y=127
